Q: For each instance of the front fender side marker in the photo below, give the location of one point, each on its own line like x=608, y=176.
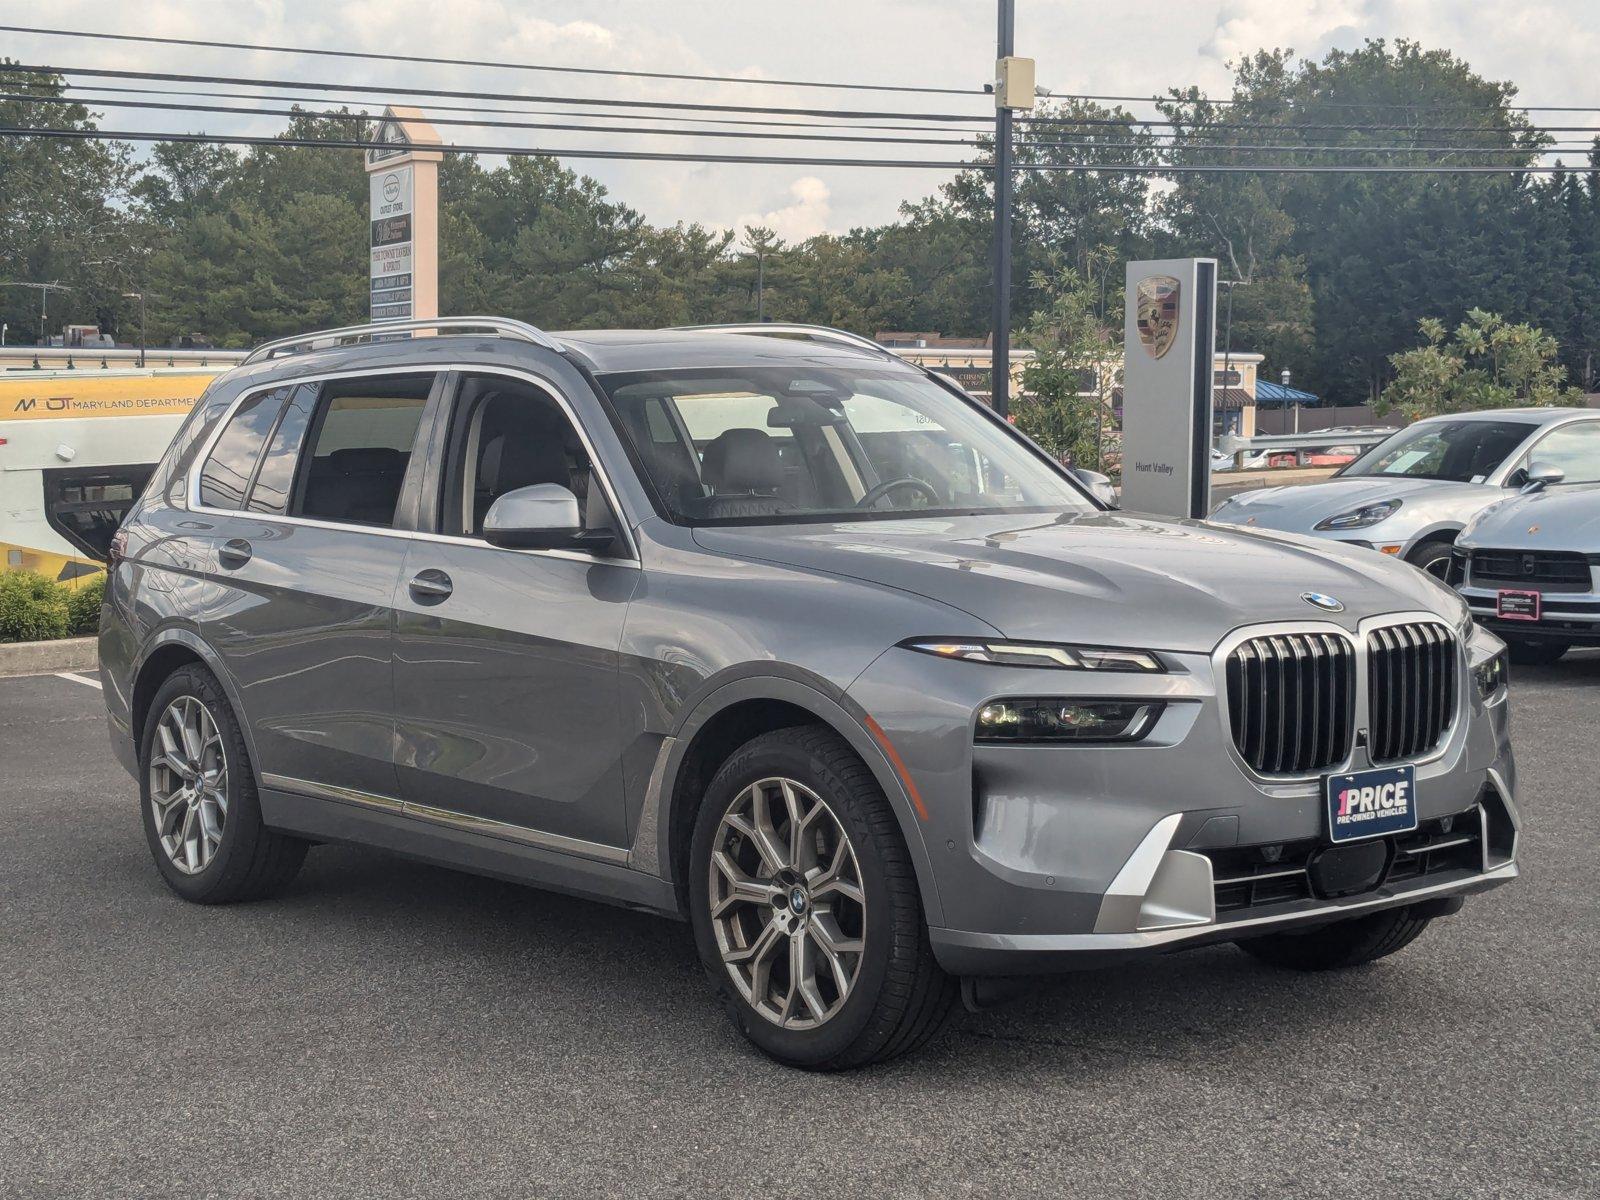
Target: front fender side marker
x=899, y=765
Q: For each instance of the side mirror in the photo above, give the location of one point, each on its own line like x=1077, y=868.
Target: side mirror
x=1541, y=475
x=543, y=516
x=1099, y=485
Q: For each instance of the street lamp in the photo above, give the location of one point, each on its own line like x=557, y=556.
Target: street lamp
x=139, y=296
x=1284, y=378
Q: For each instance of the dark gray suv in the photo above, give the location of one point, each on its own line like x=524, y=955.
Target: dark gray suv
x=767, y=629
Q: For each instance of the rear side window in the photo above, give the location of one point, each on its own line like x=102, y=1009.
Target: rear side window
x=275, y=477
x=226, y=475
x=360, y=447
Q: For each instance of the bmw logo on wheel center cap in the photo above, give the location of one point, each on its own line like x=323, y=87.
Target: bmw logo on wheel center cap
x=797, y=901
x=1326, y=603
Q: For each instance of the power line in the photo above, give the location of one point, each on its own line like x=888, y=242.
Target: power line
x=332, y=115
x=478, y=108
x=1320, y=103
x=368, y=89
x=499, y=66
x=1168, y=147
x=786, y=160
x=1152, y=122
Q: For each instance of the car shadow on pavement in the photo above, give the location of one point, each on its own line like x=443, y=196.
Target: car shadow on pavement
x=515, y=952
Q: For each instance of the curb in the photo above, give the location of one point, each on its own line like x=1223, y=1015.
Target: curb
x=44, y=658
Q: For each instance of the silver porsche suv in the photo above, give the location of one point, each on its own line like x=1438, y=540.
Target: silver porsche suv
x=765, y=629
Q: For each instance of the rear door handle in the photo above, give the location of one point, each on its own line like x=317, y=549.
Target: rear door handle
x=431, y=587
x=234, y=554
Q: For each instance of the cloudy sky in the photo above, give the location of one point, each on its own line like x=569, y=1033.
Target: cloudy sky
x=1550, y=48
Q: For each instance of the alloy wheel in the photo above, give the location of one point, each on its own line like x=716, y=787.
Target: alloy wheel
x=189, y=784
x=787, y=905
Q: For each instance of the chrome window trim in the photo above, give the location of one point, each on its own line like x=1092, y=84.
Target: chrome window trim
x=430, y=814
x=1295, y=784
x=624, y=530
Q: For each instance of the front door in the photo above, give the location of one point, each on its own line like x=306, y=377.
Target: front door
x=506, y=661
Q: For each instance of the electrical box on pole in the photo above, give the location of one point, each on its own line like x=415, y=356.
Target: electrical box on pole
x=1014, y=83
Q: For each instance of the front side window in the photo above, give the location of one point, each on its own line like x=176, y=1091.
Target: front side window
x=1459, y=451
x=226, y=476
x=1574, y=448
x=802, y=443
x=360, y=448
x=506, y=434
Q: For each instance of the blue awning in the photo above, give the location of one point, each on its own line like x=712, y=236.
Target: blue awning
x=1275, y=393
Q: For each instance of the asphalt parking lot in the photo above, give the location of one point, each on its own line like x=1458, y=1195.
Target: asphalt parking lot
x=388, y=1028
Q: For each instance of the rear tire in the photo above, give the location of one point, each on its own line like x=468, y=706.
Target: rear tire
x=1528, y=652
x=198, y=799
x=1341, y=944
x=845, y=881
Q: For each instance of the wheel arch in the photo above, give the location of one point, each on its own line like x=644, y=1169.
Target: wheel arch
x=170, y=650
x=734, y=713
x=1443, y=531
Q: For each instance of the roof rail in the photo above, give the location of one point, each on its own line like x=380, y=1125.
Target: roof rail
x=816, y=333
x=350, y=334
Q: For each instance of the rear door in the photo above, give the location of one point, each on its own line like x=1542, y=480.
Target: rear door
x=311, y=487
x=506, y=661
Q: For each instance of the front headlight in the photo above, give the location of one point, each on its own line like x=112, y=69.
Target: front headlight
x=1361, y=518
x=1065, y=720
x=1492, y=675
x=1039, y=654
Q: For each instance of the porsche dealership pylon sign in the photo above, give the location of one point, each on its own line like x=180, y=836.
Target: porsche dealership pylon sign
x=1157, y=297
x=1166, y=387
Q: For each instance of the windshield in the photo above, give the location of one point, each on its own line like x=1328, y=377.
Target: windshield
x=1460, y=451
x=762, y=445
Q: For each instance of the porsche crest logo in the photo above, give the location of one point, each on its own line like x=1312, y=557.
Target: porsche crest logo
x=1157, y=316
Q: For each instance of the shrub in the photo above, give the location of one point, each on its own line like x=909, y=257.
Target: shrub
x=83, y=606
x=32, y=608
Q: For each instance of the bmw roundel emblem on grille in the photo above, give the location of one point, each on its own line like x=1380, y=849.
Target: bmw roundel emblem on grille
x=1326, y=603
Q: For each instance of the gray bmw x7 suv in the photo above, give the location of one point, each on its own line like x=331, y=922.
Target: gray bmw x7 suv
x=767, y=629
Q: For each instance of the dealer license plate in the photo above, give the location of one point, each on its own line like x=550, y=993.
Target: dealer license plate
x=1518, y=605
x=1365, y=804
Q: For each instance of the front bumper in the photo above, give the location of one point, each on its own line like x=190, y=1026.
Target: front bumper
x=1049, y=858
x=1174, y=908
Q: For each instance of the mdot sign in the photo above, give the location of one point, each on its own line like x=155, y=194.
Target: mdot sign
x=1170, y=337
x=403, y=204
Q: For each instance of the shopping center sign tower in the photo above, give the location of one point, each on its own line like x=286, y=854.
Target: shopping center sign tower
x=403, y=186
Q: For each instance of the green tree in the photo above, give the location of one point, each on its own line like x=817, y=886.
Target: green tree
x=1488, y=363
x=65, y=215
x=1064, y=402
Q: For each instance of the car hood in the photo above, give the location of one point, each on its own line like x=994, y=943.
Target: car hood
x=1559, y=518
x=1301, y=507
x=1098, y=578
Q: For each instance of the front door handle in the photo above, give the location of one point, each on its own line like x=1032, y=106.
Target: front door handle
x=431, y=587
x=234, y=554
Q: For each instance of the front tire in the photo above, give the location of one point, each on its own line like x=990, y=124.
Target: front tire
x=197, y=794
x=806, y=910
x=1432, y=557
x=1339, y=945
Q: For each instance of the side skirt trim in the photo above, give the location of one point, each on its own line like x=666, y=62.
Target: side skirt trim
x=447, y=816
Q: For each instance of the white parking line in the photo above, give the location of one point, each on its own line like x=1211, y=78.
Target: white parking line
x=84, y=679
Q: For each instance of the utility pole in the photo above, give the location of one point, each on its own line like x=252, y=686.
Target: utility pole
x=1000, y=351
x=1227, y=336
x=44, y=290
x=139, y=296
x=761, y=284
